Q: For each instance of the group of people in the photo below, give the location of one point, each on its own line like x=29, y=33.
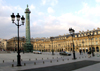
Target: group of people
x=89, y=53
x=81, y=52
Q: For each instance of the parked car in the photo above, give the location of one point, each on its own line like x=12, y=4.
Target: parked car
x=37, y=52
x=65, y=53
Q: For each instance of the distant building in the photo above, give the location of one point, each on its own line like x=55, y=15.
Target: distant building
x=62, y=43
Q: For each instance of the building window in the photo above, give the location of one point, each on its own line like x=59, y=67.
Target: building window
x=82, y=35
x=95, y=33
x=75, y=35
x=98, y=32
x=79, y=35
x=96, y=42
x=85, y=34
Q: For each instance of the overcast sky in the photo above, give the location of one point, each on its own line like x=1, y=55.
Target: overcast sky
x=50, y=17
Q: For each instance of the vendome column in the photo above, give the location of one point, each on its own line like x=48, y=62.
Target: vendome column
x=28, y=47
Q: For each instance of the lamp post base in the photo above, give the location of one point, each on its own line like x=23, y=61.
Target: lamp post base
x=74, y=58
x=19, y=60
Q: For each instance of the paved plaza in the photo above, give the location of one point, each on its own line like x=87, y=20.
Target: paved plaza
x=48, y=62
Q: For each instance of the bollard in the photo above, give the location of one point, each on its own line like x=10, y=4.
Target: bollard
x=51, y=61
x=43, y=62
x=52, y=57
x=3, y=61
x=47, y=58
x=79, y=57
x=42, y=58
x=21, y=59
x=29, y=59
x=57, y=57
x=36, y=58
x=85, y=56
x=13, y=60
x=12, y=65
x=24, y=64
x=34, y=63
x=57, y=60
x=62, y=59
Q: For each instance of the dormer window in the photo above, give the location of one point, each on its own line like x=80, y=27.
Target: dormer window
x=95, y=33
x=75, y=35
x=79, y=35
x=85, y=34
x=98, y=32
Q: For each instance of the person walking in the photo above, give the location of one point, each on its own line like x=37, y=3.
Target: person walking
x=89, y=54
x=80, y=52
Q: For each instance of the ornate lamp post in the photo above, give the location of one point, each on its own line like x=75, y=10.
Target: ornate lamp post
x=71, y=31
x=51, y=38
x=18, y=19
x=90, y=36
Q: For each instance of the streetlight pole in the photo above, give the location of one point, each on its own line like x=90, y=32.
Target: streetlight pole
x=72, y=34
x=83, y=44
x=18, y=19
x=51, y=38
x=90, y=36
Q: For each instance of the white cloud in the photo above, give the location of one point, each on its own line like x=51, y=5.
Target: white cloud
x=49, y=2
x=32, y=7
x=40, y=13
x=50, y=10
x=34, y=23
x=54, y=2
x=97, y=0
x=43, y=2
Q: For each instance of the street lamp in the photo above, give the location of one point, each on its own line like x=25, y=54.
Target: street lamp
x=83, y=46
x=90, y=36
x=18, y=19
x=51, y=38
x=71, y=31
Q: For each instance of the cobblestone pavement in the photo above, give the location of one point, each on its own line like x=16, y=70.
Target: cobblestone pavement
x=65, y=67
x=46, y=59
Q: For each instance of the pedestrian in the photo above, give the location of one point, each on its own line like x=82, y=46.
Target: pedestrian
x=89, y=54
x=80, y=52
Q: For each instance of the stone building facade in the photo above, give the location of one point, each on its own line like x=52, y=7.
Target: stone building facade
x=82, y=41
